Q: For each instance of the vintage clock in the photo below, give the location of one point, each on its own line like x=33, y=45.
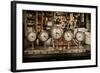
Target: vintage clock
x=43, y=36
x=68, y=36
x=80, y=36
x=56, y=32
x=32, y=37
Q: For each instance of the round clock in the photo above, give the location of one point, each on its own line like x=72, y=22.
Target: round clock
x=49, y=23
x=80, y=36
x=31, y=36
x=68, y=35
x=43, y=36
x=56, y=33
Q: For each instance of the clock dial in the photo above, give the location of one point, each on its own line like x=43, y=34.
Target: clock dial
x=31, y=36
x=80, y=36
x=68, y=36
x=56, y=32
x=43, y=36
x=49, y=23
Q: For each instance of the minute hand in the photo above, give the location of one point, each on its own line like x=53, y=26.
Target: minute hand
x=57, y=33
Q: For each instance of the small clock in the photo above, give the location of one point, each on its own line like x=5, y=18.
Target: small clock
x=43, y=36
x=80, y=36
x=68, y=35
x=49, y=23
x=56, y=32
x=31, y=36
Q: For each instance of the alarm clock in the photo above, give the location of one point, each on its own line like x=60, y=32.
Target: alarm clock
x=56, y=32
x=68, y=36
x=31, y=36
x=43, y=36
x=80, y=36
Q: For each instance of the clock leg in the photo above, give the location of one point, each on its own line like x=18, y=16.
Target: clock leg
x=45, y=45
x=37, y=42
x=53, y=45
x=32, y=45
x=81, y=48
x=57, y=44
x=68, y=45
x=80, y=45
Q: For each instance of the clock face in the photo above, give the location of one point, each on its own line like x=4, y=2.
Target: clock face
x=80, y=36
x=49, y=23
x=31, y=36
x=43, y=36
x=56, y=33
x=68, y=36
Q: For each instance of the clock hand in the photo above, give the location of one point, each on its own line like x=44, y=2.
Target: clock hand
x=45, y=37
x=57, y=34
